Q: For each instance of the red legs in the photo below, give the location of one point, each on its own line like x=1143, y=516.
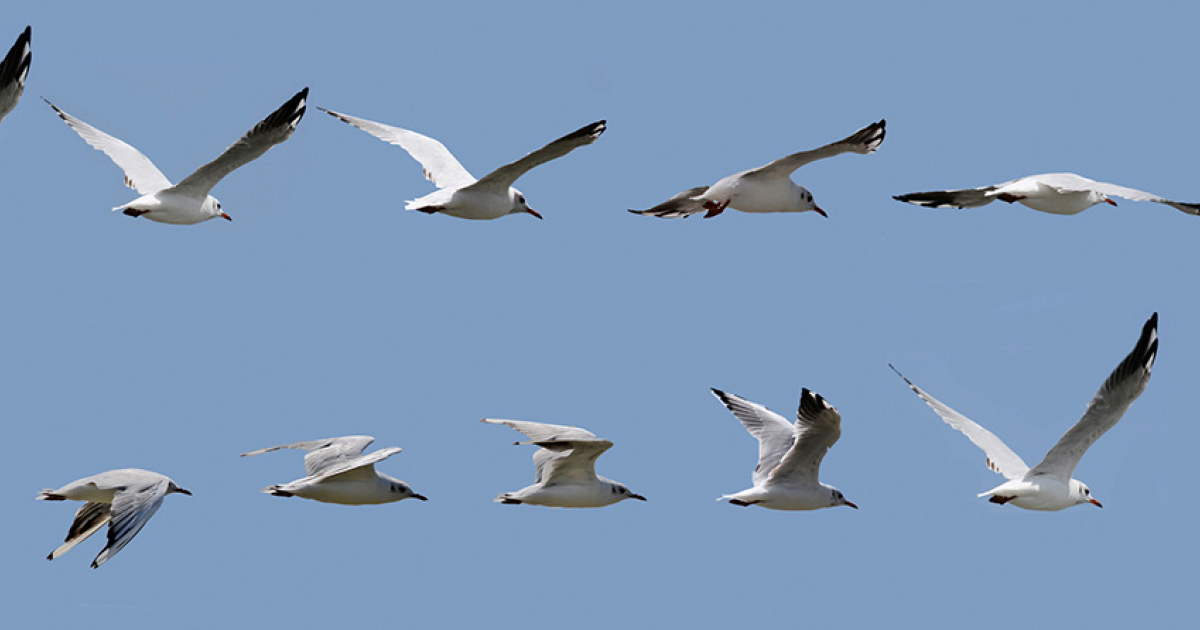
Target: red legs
x=714, y=208
x=1009, y=197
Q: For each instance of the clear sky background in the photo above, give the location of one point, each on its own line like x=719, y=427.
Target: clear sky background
x=324, y=309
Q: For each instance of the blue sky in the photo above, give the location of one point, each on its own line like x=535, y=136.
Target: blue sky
x=324, y=309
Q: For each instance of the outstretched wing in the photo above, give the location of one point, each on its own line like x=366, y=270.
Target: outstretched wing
x=140, y=173
x=1119, y=391
x=132, y=507
x=324, y=454
x=818, y=427
x=683, y=205
x=363, y=466
x=865, y=140
x=13, y=71
x=1000, y=458
x=439, y=165
x=504, y=177
x=963, y=198
x=269, y=132
x=542, y=432
x=775, y=435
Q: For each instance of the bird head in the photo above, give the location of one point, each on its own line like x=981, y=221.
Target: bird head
x=213, y=207
x=519, y=204
x=1081, y=494
x=836, y=498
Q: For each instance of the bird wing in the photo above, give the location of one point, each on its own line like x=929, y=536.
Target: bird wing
x=140, y=173
x=865, y=140
x=962, y=198
x=1119, y=391
x=818, y=427
x=1071, y=182
x=269, y=132
x=88, y=520
x=132, y=507
x=13, y=71
x=568, y=462
x=1000, y=458
x=542, y=432
x=501, y=179
x=352, y=467
x=323, y=454
x=774, y=434
x=683, y=205
x=439, y=164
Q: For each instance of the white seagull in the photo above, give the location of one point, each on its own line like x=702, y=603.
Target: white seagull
x=1056, y=193
x=13, y=71
x=459, y=194
x=768, y=188
x=789, y=456
x=1049, y=486
x=188, y=202
x=338, y=472
x=123, y=499
x=565, y=467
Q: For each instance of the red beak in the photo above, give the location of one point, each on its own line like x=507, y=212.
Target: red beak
x=225, y=216
x=1109, y=201
x=534, y=213
x=821, y=212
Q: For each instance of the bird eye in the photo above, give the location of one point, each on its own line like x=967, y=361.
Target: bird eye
x=1086, y=491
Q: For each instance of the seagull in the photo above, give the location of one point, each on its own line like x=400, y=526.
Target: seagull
x=188, y=202
x=768, y=188
x=1056, y=193
x=338, y=472
x=459, y=194
x=124, y=499
x=1049, y=486
x=13, y=71
x=789, y=456
x=565, y=468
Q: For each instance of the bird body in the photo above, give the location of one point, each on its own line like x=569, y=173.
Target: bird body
x=123, y=499
x=338, y=472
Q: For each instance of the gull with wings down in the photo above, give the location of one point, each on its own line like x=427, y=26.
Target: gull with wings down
x=768, y=188
x=13, y=71
x=565, y=467
x=789, y=456
x=1055, y=193
x=188, y=202
x=1049, y=486
x=123, y=499
x=459, y=194
x=338, y=472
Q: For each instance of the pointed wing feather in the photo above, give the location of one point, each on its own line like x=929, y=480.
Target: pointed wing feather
x=140, y=173
x=1119, y=391
x=13, y=71
x=775, y=435
x=818, y=427
x=1000, y=458
x=542, y=432
x=270, y=131
x=504, y=177
x=132, y=508
x=865, y=140
x=439, y=165
x=683, y=205
x=88, y=520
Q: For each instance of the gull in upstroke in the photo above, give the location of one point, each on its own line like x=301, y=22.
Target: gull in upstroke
x=1049, y=485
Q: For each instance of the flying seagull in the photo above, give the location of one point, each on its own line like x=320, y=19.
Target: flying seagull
x=789, y=456
x=565, y=468
x=188, y=202
x=459, y=194
x=768, y=188
x=1049, y=486
x=1056, y=193
x=123, y=499
x=338, y=472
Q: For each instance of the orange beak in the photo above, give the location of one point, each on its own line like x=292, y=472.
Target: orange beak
x=534, y=213
x=1110, y=202
x=225, y=216
x=1093, y=501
